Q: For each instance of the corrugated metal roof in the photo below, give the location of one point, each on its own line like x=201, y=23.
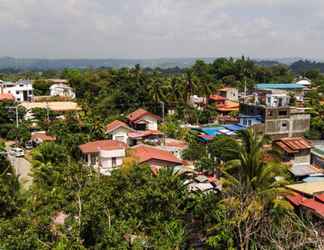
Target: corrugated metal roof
x=303, y=170
x=139, y=113
x=262, y=86
x=96, y=146
x=311, y=188
x=293, y=145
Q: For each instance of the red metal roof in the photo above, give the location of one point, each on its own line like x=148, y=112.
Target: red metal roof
x=140, y=134
x=42, y=136
x=115, y=125
x=139, y=113
x=7, y=97
x=217, y=98
x=299, y=200
x=170, y=142
x=96, y=146
x=293, y=145
x=320, y=197
x=228, y=106
x=146, y=153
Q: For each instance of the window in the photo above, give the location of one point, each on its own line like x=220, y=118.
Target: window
x=283, y=113
x=244, y=122
x=270, y=113
x=30, y=92
x=284, y=124
x=17, y=92
x=114, y=161
x=250, y=122
x=120, y=138
x=93, y=159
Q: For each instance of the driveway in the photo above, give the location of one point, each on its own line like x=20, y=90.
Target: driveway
x=22, y=168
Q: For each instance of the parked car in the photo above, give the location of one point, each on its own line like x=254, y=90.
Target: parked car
x=17, y=152
x=29, y=145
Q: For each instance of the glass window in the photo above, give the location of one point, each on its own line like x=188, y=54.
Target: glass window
x=114, y=161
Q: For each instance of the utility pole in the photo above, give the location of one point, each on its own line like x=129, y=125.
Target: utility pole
x=17, y=115
x=163, y=110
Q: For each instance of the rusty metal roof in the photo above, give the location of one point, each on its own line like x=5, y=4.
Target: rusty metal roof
x=293, y=145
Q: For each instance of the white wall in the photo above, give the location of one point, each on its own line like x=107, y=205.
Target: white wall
x=152, y=122
x=18, y=89
x=120, y=132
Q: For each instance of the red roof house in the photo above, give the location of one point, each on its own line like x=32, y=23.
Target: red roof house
x=143, y=120
x=154, y=157
x=116, y=125
x=6, y=97
x=96, y=146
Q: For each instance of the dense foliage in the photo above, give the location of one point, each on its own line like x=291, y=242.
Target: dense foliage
x=70, y=206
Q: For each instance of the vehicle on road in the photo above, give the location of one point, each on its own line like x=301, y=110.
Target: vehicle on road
x=29, y=145
x=17, y=152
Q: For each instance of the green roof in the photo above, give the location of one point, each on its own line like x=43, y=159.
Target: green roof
x=279, y=86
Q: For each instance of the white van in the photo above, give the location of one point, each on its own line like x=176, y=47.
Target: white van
x=18, y=152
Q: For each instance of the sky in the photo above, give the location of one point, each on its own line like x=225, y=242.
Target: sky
x=161, y=28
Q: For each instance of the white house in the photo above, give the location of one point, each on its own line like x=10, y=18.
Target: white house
x=119, y=131
x=104, y=155
x=143, y=120
x=21, y=90
x=229, y=93
x=63, y=90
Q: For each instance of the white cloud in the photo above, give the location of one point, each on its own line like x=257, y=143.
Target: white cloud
x=161, y=28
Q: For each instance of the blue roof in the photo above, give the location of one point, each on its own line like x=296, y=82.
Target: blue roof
x=279, y=86
x=212, y=131
x=314, y=179
x=234, y=127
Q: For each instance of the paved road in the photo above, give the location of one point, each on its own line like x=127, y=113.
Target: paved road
x=22, y=168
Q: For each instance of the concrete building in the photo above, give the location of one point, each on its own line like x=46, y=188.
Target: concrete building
x=62, y=90
x=119, y=130
x=276, y=122
x=104, y=155
x=21, y=90
x=231, y=94
x=143, y=120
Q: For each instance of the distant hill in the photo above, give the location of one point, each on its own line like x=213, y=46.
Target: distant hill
x=163, y=63
x=44, y=64
x=305, y=65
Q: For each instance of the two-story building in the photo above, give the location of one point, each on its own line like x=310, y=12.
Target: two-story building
x=103, y=155
x=21, y=90
x=142, y=119
x=62, y=90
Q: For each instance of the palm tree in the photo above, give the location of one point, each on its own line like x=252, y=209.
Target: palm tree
x=252, y=187
x=156, y=88
x=190, y=85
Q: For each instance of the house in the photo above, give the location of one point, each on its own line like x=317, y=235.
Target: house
x=297, y=153
x=176, y=147
x=119, y=130
x=228, y=107
x=296, y=150
x=143, y=120
x=229, y=93
x=216, y=99
x=42, y=136
x=21, y=90
x=308, y=197
x=317, y=156
x=152, y=137
x=62, y=90
x=53, y=106
x=103, y=155
x=154, y=157
x=275, y=122
x=289, y=88
x=7, y=97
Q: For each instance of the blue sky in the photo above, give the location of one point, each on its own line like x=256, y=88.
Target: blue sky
x=161, y=28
